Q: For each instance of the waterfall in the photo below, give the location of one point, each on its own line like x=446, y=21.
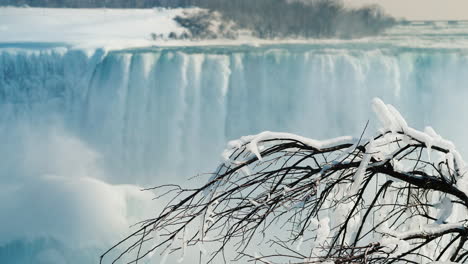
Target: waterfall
x=154, y=116
x=171, y=111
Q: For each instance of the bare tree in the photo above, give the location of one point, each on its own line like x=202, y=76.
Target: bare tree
x=399, y=196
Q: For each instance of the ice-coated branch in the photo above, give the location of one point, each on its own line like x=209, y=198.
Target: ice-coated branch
x=399, y=196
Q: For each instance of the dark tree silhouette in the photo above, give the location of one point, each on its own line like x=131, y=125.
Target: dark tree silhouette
x=399, y=196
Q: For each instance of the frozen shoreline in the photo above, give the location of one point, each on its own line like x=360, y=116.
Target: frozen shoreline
x=117, y=29
x=87, y=28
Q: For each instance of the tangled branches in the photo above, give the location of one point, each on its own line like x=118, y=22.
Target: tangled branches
x=399, y=196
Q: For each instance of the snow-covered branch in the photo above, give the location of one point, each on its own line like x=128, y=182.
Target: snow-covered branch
x=398, y=196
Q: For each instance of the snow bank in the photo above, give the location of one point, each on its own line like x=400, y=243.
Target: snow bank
x=113, y=28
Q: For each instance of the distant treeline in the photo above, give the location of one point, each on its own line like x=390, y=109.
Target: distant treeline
x=300, y=18
x=264, y=18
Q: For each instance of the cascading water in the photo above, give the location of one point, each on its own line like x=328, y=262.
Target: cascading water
x=81, y=124
x=171, y=111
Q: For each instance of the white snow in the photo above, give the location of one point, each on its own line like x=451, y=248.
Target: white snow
x=254, y=203
x=396, y=241
x=426, y=230
x=127, y=28
x=445, y=210
x=360, y=172
x=394, y=245
x=392, y=121
x=111, y=28
x=253, y=141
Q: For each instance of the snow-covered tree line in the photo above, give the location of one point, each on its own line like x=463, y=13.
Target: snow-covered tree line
x=399, y=196
x=300, y=18
x=262, y=18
